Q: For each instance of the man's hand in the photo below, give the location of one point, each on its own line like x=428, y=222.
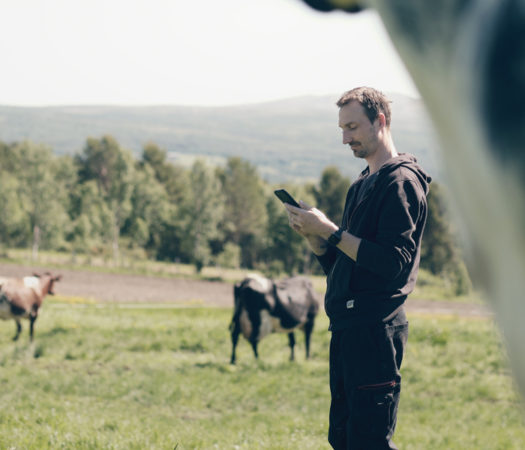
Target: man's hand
x=309, y=221
x=317, y=228
x=312, y=224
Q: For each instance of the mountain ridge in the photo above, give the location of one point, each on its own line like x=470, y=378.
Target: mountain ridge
x=291, y=139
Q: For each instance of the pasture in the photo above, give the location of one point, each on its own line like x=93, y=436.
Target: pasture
x=157, y=376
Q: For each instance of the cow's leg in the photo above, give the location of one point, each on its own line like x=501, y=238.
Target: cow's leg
x=291, y=342
x=254, y=346
x=235, y=329
x=308, y=328
x=31, y=327
x=18, y=329
x=253, y=341
x=255, y=319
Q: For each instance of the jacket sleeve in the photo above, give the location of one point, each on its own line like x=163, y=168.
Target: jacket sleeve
x=400, y=219
x=327, y=260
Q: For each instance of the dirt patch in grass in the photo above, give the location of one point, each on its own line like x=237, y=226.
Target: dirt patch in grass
x=109, y=287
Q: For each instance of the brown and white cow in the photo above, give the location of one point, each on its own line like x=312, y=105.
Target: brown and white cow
x=263, y=307
x=23, y=297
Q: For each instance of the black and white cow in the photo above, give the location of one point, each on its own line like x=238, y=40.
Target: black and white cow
x=467, y=59
x=263, y=306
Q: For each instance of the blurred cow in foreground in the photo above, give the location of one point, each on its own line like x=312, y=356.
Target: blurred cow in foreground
x=467, y=59
x=262, y=307
x=23, y=297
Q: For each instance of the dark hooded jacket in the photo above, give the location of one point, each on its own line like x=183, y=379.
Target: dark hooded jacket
x=389, y=219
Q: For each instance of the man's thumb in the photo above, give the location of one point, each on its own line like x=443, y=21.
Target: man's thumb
x=304, y=205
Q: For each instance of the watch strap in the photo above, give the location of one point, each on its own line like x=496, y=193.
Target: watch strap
x=335, y=237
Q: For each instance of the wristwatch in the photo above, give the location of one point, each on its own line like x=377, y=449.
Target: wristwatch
x=335, y=237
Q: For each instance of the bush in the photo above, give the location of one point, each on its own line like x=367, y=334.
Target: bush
x=230, y=257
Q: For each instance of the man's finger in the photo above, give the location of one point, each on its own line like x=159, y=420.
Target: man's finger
x=292, y=209
x=304, y=205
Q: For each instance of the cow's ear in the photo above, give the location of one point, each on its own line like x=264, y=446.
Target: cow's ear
x=36, y=275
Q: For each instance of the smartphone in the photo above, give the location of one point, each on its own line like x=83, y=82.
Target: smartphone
x=285, y=197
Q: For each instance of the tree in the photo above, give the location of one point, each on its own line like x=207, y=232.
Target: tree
x=151, y=210
x=41, y=194
x=201, y=212
x=440, y=252
x=245, y=209
x=14, y=224
x=91, y=218
x=437, y=248
x=173, y=178
x=331, y=192
x=104, y=161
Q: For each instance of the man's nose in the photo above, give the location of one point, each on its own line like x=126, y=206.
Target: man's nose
x=347, y=137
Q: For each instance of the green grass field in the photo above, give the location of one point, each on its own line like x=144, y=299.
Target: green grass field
x=155, y=377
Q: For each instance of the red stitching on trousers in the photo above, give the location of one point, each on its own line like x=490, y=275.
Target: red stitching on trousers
x=377, y=386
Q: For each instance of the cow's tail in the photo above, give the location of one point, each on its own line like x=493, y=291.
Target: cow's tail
x=232, y=325
x=236, y=317
x=236, y=307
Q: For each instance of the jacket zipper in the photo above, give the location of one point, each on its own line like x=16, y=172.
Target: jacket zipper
x=371, y=188
x=346, y=226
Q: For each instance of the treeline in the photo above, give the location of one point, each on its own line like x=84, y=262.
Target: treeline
x=104, y=200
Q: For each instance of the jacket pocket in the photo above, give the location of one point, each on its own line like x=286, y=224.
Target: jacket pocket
x=365, y=281
x=338, y=284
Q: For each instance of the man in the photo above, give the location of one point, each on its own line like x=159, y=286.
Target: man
x=371, y=263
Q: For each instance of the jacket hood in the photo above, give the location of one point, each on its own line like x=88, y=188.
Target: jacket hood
x=404, y=160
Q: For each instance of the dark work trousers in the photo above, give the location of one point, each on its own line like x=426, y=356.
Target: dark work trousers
x=365, y=383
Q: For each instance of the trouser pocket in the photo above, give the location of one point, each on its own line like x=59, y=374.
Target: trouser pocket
x=375, y=409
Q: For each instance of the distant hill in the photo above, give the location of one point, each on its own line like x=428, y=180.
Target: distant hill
x=291, y=139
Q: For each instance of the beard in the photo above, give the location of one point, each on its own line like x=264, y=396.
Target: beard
x=366, y=146
x=361, y=152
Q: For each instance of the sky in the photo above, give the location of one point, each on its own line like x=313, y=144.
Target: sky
x=188, y=52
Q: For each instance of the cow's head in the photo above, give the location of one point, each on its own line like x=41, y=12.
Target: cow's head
x=47, y=281
x=255, y=291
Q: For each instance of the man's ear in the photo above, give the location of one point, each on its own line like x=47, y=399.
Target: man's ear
x=382, y=119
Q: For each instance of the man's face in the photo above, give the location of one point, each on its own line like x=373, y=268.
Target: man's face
x=358, y=131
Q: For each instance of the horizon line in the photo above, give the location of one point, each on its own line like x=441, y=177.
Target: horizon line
x=186, y=105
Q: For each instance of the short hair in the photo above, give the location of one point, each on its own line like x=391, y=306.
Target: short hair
x=372, y=100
